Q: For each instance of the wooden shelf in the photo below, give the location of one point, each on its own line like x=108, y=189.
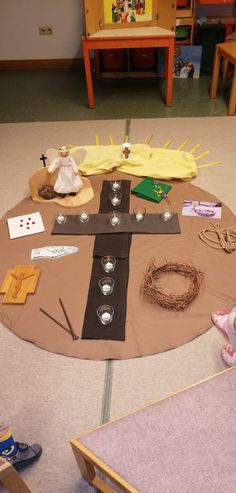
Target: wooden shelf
x=185, y=11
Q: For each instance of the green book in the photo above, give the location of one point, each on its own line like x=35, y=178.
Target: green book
x=151, y=189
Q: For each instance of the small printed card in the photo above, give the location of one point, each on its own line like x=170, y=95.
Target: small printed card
x=28, y=224
x=209, y=210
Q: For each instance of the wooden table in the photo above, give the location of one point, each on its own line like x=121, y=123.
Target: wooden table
x=227, y=51
x=151, y=37
x=184, y=442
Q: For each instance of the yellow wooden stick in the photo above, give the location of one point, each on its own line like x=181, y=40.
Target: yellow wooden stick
x=111, y=139
x=209, y=164
x=149, y=140
x=182, y=145
x=97, y=140
x=194, y=148
x=167, y=143
x=126, y=138
x=201, y=155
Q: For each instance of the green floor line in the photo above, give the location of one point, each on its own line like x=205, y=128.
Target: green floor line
x=106, y=400
x=107, y=391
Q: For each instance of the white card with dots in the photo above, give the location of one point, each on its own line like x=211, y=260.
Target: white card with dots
x=28, y=224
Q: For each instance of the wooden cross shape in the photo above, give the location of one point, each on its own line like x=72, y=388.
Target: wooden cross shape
x=43, y=158
x=19, y=282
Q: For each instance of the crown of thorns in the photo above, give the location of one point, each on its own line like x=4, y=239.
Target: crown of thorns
x=171, y=301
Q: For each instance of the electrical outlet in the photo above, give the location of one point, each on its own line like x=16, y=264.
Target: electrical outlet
x=45, y=30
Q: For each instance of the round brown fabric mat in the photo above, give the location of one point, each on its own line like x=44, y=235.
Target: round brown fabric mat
x=150, y=329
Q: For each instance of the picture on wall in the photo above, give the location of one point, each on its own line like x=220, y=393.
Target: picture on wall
x=127, y=11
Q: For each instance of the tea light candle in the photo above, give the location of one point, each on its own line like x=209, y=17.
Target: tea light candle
x=60, y=218
x=106, y=289
x=115, y=220
x=139, y=216
x=108, y=266
x=106, y=317
x=115, y=201
x=84, y=216
x=115, y=185
x=167, y=215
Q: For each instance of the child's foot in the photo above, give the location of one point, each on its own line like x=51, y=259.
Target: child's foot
x=73, y=194
x=228, y=354
x=219, y=319
x=22, y=455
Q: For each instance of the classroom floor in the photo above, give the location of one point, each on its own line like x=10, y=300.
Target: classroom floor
x=60, y=95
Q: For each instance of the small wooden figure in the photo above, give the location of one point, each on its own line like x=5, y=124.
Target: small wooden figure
x=68, y=179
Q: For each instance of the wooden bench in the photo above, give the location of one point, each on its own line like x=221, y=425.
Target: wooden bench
x=183, y=443
x=11, y=479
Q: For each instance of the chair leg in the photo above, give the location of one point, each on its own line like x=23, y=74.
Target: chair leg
x=215, y=73
x=225, y=69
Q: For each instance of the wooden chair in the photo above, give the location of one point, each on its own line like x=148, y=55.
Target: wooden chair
x=227, y=51
x=11, y=479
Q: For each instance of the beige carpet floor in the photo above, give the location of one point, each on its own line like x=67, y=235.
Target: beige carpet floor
x=52, y=398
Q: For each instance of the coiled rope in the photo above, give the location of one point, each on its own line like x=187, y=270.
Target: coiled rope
x=225, y=238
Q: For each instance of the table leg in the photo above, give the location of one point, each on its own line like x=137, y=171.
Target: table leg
x=232, y=100
x=225, y=69
x=215, y=73
x=97, y=64
x=169, y=72
x=88, y=75
x=88, y=472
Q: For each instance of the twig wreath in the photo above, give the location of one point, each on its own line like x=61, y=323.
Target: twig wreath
x=171, y=301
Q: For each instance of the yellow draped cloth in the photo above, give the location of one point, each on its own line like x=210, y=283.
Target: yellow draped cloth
x=166, y=164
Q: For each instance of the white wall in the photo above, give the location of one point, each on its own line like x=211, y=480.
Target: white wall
x=19, y=33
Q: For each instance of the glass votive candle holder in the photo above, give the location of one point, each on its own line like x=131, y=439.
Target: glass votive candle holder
x=106, y=284
x=115, y=185
x=139, y=213
x=115, y=218
x=83, y=216
x=167, y=215
x=108, y=262
x=60, y=218
x=115, y=198
x=105, y=314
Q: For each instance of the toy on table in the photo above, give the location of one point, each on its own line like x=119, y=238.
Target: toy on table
x=68, y=181
x=227, y=323
x=126, y=150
